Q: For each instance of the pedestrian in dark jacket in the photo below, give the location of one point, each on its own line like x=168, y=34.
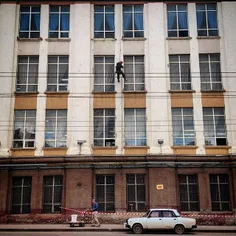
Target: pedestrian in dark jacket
x=119, y=71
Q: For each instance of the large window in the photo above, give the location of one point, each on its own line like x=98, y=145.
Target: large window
x=207, y=19
x=104, y=74
x=136, y=192
x=56, y=128
x=134, y=71
x=210, y=72
x=21, y=195
x=220, y=194
x=104, y=21
x=180, y=78
x=24, y=129
x=29, y=22
x=105, y=192
x=58, y=67
x=177, y=20
x=214, y=126
x=59, y=22
x=52, y=194
x=135, y=127
x=188, y=192
x=104, y=127
x=27, y=75
x=183, y=127
x=133, y=21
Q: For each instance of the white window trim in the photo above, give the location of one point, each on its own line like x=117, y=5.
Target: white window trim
x=133, y=12
x=104, y=13
x=58, y=63
x=59, y=31
x=30, y=16
x=134, y=74
x=206, y=15
x=177, y=11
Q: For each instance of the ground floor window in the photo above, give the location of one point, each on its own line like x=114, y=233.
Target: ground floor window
x=136, y=192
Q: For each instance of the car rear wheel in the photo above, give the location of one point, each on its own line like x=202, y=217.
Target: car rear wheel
x=138, y=229
x=179, y=229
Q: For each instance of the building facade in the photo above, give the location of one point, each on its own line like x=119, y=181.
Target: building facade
x=70, y=131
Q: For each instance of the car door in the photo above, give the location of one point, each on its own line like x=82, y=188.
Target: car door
x=169, y=219
x=154, y=220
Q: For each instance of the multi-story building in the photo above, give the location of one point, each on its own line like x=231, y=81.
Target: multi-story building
x=70, y=132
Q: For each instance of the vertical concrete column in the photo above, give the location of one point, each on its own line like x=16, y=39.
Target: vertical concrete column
x=196, y=82
x=8, y=60
x=36, y=194
x=120, y=190
x=204, y=192
x=42, y=81
x=119, y=86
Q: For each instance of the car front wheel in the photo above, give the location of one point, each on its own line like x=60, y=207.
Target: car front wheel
x=138, y=229
x=179, y=229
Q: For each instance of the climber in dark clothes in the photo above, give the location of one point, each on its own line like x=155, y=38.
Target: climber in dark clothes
x=119, y=71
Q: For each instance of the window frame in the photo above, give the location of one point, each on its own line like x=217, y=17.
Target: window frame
x=22, y=186
x=55, y=131
x=186, y=185
x=181, y=82
x=104, y=13
x=177, y=11
x=134, y=74
x=104, y=64
x=209, y=62
x=27, y=84
x=59, y=31
x=207, y=29
x=30, y=20
x=184, y=137
x=53, y=203
x=132, y=12
x=105, y=185
x=215, y=137
x=58, y=63
x=104, y=119
x=25, y=120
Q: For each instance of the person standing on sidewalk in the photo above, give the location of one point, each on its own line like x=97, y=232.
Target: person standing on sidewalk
x=95, y=221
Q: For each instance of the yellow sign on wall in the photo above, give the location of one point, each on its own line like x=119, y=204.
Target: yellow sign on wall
x=159, y=186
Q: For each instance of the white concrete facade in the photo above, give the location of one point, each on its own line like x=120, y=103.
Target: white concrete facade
x=81, y=49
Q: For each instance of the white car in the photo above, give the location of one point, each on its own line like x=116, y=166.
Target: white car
x=161, y=219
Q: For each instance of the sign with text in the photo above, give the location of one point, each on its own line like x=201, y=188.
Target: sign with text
x=159, y=186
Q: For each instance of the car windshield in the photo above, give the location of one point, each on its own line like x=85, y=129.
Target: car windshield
x=145, y=215
x=177, y=214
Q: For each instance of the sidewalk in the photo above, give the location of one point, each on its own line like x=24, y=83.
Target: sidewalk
x=104, y=227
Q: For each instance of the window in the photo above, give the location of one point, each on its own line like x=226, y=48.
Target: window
x=104, y=74
x=207, y=19
x=136, y=192
x=52, y=194
x=134, y=71
x=183, y=127
x=219, y=185
x=24, y=129
x=168, y=214
x=59, y=22
x=27, y=76
x=29, y=22
x=105, y=192
x=210, y=72
x=135, y=127
x=21, y=195
x=180, y=78
x=155, y=214
x=177, y=20
x=214, y=126
x=104, y=127
x=104, y=21
x=56, y=128
x=188, y=192
x=133, y=21
x=58, y=67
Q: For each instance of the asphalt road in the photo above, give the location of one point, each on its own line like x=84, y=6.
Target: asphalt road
x=106, y=234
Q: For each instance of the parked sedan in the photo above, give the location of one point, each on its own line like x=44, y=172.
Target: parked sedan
x=161, y=219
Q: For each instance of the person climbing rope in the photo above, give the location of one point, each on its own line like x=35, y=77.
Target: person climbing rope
x=119, y=71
